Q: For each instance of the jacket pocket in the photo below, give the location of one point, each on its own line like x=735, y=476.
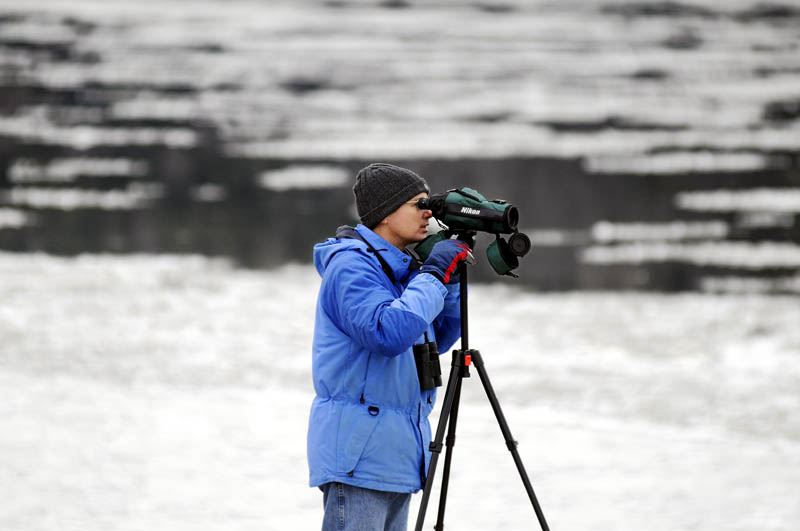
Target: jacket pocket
x=356, y=426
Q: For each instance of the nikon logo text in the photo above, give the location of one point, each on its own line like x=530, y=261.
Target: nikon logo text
x=468, y=210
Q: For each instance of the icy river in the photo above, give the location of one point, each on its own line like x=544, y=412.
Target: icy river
x=167, y=392
x=171, y=393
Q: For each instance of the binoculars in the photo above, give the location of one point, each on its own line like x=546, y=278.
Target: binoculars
x=465, y=210
x=426, y=355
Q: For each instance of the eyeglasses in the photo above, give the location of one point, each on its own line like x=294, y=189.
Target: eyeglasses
x=420, y=203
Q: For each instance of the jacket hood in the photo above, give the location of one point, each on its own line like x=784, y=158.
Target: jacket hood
x=325, y=251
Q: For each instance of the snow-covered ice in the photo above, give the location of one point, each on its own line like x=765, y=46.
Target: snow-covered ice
x=171, y=393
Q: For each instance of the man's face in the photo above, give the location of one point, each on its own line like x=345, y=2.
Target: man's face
x=406, y=225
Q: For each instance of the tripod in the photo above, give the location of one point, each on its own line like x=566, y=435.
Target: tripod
x=462, y=359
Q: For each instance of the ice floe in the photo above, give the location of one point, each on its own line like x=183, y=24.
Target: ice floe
x=304, y=176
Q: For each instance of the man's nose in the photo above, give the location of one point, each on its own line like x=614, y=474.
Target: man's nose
x=427, y=214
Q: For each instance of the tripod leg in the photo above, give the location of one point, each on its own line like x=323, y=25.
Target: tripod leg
x=477, y=361
x=436, y=444
x=450, y=442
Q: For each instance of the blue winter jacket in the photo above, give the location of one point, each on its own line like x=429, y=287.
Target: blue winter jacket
x=368, y=425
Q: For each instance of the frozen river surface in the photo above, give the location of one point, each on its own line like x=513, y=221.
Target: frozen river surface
x=171, y=393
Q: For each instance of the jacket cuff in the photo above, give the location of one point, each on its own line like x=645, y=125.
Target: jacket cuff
x=429, y=277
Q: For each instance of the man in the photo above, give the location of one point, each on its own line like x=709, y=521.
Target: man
x=368, y=431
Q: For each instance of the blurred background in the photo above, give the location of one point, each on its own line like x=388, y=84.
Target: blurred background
x=648, y=145
x=166, y=167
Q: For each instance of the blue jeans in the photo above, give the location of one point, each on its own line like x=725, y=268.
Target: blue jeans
x=349, y=508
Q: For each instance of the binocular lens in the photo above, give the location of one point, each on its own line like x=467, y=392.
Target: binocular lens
x=519, y=244
x=512, y=217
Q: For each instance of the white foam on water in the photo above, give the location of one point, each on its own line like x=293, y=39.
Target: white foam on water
x=67, y=169
x=557, y=237
x=35, y=129
x=40, y=31
x=744, y=255
x=13, y=218
x=677, y=163
x=738, y=284
x=157, y=108
x=447, y=66
x=135, y=195
x=209, y=193
x=759, y=219
x=303, y=176
x=606, y=231
x=777, y=200
x=607, y=150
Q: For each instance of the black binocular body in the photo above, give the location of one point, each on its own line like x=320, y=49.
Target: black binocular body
x=429, y=371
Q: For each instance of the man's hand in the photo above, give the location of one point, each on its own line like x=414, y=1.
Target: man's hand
x=444, y=260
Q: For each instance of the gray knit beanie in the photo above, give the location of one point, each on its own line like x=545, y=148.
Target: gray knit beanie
x=382, y=188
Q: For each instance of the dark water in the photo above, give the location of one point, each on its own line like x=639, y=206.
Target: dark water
x=91, y=83
x=264, y=228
